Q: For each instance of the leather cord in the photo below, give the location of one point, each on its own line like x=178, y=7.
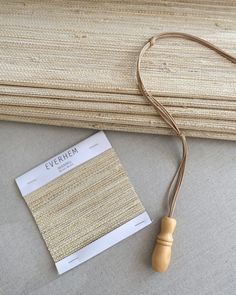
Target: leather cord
x=177, y=180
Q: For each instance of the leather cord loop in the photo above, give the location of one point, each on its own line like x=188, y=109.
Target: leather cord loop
x=164, y=113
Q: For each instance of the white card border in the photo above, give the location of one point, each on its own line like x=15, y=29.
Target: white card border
x=39, y=176
x=103, y=243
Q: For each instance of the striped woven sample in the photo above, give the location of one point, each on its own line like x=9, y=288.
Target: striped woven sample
x=73, y=64
x=84, y=204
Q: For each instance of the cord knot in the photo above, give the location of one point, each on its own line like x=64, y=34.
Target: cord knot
x=152, y=41
x=181, y=134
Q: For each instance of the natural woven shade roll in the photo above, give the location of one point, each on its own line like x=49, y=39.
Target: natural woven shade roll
x=73, y=64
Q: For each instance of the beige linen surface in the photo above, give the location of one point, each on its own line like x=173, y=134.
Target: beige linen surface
x=204, y=256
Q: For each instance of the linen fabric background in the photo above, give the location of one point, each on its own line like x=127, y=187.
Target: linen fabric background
x=204, y=259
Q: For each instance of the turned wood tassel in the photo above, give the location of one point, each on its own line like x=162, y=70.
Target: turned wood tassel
x=162, y=251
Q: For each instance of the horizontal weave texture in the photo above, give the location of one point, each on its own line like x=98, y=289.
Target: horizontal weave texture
x=84, y=204
x=73, y=64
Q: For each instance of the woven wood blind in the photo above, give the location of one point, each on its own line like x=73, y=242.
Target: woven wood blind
x=72, y=63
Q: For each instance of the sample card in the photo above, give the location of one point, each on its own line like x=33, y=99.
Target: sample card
x=82, y=201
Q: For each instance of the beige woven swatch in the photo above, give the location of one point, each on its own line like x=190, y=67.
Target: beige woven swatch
x=84, y=204
x=72, y=63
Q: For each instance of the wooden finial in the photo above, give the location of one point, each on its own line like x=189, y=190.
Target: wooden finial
x=162, y=251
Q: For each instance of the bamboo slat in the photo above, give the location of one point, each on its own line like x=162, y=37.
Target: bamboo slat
x=116, y=127
x=115, y=118
x=117, y=108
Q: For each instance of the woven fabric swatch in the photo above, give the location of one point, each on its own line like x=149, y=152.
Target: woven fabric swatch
x=84, y=204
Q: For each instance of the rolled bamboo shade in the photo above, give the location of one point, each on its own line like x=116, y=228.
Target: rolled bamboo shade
x=72, y=63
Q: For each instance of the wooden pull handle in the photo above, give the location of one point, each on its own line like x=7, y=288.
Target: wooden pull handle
x=162, y=251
